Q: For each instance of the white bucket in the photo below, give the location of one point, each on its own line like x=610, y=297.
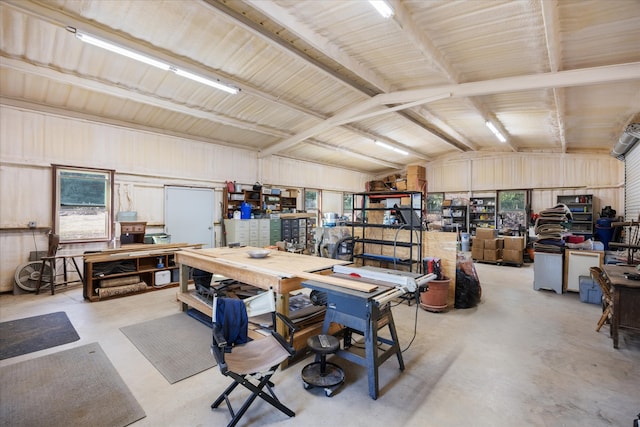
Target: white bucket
x=464, y=242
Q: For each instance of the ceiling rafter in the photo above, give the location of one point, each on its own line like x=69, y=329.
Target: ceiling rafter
x=423, y=43
x=61, y=19
x=284, y=18
x=414, y=97
x=552, y=37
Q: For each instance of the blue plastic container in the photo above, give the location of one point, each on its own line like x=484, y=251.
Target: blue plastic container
x=604, y=231
x=245, y=210
x=590, y=291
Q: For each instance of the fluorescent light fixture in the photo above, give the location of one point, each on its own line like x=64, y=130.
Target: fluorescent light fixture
x=382, y=7
x=122, y=51
x=391, y=148
x=382, y=144
x=495, y=131
x=205, y=81
x=151, y=61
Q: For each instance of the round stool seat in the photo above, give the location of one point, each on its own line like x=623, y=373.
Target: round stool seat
x=331, y=344
x=322, y=373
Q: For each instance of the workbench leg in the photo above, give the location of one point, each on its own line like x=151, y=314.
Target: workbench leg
x=282, y=307
x=184, y=284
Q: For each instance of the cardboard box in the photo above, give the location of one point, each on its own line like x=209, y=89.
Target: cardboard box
x=493, y=243
x=375, y=216
x=418, y=171
x=477, y=253
x=512, y=255
x=492, y=254
x=486, y=233
x=401, y=185
x=514, y=243
x=416, y=184
x=477, y=243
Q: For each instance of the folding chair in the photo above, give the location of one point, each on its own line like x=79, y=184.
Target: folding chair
x=607, y=300
x=253, y=363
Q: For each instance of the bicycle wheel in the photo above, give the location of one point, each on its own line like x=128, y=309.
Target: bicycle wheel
x=27, y=275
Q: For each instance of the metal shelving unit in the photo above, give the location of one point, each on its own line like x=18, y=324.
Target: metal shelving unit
x=379, y=217
x=581, y=207
x=482, y=213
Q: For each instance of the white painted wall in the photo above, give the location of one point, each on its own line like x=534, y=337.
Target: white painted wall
x=547, y=174
x=144, y=163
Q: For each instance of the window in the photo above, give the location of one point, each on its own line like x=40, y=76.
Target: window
x=512, y=209
x=83, y=203
x=434, y=207
x=312, y=202
x=347, y=205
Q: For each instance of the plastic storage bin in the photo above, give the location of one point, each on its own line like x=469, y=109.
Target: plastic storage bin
x=590, y=291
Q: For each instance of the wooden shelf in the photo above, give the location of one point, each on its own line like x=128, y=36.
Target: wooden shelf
x=139, y=261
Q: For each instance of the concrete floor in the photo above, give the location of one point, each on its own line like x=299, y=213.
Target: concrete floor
x=520, y=358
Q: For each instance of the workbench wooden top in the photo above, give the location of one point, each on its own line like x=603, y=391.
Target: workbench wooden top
x=278, y=264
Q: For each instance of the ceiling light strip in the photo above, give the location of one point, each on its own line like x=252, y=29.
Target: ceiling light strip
x=391, y=148
x=382, y=7
x=151, y=61
x=495, y=131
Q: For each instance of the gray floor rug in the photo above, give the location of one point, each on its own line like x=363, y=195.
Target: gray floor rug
x=22, y=336
x=75, y=387
x=178, y=346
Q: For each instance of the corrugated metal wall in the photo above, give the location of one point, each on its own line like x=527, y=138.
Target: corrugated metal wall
x=144, y=163
x=547, y=174
x=632, y=181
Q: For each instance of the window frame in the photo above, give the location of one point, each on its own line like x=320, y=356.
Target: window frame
x=106, y=234
x=520, y=211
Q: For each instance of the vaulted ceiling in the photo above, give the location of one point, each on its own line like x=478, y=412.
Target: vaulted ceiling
x=322, y=80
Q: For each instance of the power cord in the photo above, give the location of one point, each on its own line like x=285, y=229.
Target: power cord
x=415, y=322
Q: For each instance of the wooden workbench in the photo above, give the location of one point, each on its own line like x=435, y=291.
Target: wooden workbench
x=281, y=271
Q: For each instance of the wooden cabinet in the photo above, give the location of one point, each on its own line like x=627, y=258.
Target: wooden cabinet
x=271, y=202
x=577, y=263
x=232, y=201
x=581, y=207
x=288, y=204
x=132, y=232
x=547, y=271
x=136, y=269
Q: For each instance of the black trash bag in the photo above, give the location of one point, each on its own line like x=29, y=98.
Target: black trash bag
x=468, y=290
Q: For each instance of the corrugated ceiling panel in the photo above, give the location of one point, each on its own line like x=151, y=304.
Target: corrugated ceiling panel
x=587, y=36
x=486, y=40
x=591, y=112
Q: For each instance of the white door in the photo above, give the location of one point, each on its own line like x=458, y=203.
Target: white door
x=189, y=215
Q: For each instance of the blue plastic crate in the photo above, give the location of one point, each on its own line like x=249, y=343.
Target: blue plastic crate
x=590, y=291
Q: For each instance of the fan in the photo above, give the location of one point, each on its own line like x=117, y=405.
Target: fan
x=27, y=275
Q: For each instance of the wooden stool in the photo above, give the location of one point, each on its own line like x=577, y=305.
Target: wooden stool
x=322, y=373
x=51, y=258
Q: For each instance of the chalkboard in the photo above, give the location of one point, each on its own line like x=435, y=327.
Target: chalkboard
x=83, y=189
